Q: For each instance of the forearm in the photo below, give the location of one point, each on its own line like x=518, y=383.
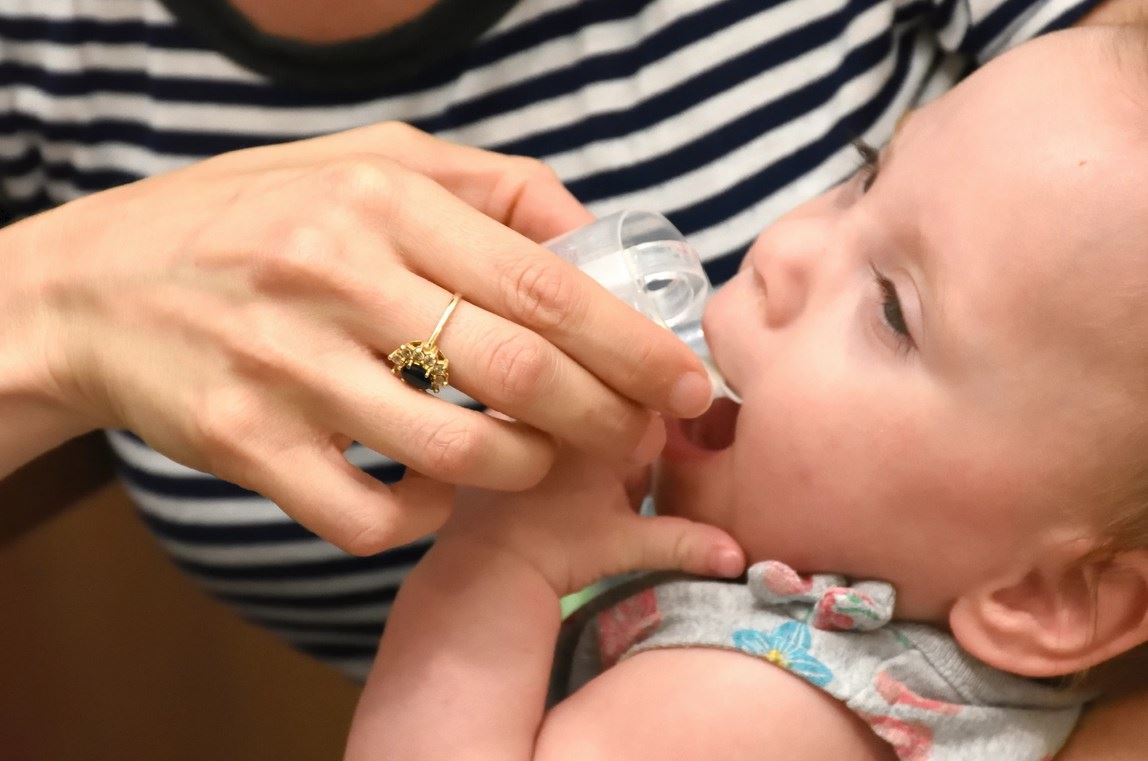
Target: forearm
x=463, y=668
x=32, y=424
x=35, y=415
x=1117, y=12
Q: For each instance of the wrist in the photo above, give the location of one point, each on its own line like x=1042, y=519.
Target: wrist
x=35, y=402
x=454, y=550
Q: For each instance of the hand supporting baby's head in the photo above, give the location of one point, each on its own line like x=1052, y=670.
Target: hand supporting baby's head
x=943, y=363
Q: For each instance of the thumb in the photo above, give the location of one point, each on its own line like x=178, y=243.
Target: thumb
x=666, y=543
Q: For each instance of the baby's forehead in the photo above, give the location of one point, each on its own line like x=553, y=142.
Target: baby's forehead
x=1067, y=319
x=1092, y=298
x=1083, y=280
x=1043, y=253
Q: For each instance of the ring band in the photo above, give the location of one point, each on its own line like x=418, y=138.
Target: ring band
x=420, y=364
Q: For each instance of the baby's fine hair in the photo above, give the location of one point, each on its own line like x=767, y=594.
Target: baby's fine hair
x=1126, y=525
x=1121, y=499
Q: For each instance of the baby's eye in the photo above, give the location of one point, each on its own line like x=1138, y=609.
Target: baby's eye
x=867, y=172
x=891, y=309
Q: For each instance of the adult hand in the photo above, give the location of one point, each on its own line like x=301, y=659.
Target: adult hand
x=236, y=314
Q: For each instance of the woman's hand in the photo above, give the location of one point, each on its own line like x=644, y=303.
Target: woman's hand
x=236, y=314
x=580, y=524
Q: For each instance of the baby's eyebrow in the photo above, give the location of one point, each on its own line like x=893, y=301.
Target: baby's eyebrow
x=901, y=121
x=920, y=252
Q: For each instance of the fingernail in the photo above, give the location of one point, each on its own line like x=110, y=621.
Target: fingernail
x=653, y=440
x=727, y=563
x=691, y=395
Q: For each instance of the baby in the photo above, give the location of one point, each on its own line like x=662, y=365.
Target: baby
x=942, y=363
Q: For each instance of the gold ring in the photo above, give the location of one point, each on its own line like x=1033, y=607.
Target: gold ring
x=420, y=364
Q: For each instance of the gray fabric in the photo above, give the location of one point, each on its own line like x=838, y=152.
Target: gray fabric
x=909, y=682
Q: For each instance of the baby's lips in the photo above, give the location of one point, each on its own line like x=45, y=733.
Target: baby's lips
x=703, y=437
x=715, y=430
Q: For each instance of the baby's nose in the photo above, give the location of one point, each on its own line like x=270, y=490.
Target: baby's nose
x=784, y=260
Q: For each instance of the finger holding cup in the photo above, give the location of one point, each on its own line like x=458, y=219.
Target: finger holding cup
x=239, y=314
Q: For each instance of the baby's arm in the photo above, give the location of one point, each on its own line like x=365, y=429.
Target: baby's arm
x=694, y=704
x=1112, y=730
x=463, y=668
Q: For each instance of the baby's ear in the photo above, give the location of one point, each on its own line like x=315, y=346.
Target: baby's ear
x=1069, y=612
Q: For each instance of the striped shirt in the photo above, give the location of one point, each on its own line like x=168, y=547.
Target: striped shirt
x=721, y=114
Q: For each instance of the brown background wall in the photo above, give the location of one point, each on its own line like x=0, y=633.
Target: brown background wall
x=107, y=652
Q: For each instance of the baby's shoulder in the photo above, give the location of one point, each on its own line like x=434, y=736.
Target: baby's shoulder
x=702, y=703
x=777, y=645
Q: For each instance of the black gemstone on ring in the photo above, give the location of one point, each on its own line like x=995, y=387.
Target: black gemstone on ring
x=418, y=377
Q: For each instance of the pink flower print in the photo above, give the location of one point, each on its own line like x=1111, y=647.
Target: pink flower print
x=783, y=581
x=847, y=609
x=898, y=693
x=910, y=741
x=830, y=613
x=628, y=622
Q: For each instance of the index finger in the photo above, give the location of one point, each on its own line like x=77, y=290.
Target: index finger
x=505, y=273
x=521, y=193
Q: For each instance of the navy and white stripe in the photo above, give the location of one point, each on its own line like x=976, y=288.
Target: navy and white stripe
x=720, y=113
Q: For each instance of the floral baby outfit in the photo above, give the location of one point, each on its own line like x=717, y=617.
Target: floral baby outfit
x=910, y=683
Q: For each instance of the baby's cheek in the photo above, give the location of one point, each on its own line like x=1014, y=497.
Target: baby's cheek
x=782, y=491
x=809, y=469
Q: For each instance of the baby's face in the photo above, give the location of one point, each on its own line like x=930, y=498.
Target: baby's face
x=936, y=359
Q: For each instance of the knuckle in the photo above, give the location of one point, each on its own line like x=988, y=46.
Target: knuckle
x=527, y=475
x=625, y=427
x=365, y=182
x=682, y=551
x=397, y=130
x=638, y=360
x=306, y=255
x=541, y=294
x=258, y=345
x=224, y=423
x=534, y=170
x=519, y=366
x=449, y=450
x=369, y=537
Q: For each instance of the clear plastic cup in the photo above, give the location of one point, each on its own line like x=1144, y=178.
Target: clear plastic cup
x=643, y=260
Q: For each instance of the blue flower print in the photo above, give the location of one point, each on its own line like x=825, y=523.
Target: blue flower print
x=788, y=647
